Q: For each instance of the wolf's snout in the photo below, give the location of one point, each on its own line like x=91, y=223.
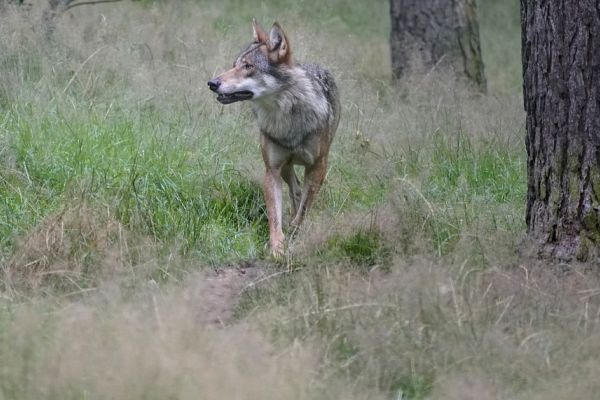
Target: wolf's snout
x=214, y=84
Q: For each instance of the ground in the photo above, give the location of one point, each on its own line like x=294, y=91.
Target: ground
x=132, y=224
x=219, y=290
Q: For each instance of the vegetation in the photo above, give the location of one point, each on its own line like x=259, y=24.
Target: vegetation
x=124, y=185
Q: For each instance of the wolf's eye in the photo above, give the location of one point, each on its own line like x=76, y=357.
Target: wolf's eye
x=248, y=66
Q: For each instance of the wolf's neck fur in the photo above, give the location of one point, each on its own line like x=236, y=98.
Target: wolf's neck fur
x=292, y=112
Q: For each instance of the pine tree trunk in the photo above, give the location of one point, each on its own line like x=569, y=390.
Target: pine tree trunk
x=561, y=82
x=441, y=32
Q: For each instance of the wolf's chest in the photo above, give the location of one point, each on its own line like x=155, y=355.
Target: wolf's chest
x=289, y=126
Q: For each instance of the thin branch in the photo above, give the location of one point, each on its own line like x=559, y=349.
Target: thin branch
x=90, y=3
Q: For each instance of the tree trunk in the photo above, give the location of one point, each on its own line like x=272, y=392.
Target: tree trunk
x=55, y=8
x=440, y=32
x=4, y=3
x=561, y=83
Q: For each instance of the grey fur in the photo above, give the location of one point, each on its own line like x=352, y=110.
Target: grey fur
x=305, y=103
x=302, y=100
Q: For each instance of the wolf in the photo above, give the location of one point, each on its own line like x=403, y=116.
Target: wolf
x=297, y=107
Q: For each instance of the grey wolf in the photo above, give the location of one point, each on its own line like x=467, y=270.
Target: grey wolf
x=297, y=108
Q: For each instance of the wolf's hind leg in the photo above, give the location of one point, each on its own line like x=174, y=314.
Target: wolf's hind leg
x=289, y=176
x=313, y=179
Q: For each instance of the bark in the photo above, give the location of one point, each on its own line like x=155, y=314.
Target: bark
x=440, y=32
x=5, y=3
x=561, y=83
x=54, y=9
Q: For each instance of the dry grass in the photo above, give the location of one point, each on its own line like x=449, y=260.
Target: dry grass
x=153, y=348
x=422, y=329
x=73, y=252
x=440, y=331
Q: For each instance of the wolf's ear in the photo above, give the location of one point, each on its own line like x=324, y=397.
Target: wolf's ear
x=279, y=46
x=260, y=36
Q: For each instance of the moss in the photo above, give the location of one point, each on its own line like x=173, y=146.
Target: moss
x=595, y=182
x=365, y=248
x=590, y=221
x=583, y=249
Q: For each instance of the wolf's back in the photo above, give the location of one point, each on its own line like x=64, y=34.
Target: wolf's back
x=326, y=84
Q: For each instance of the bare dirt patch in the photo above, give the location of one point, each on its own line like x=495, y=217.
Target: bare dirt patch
x=218, y=290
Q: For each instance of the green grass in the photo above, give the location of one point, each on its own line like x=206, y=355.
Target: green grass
x=154, y=175
x=459, y=171
x=143, y=169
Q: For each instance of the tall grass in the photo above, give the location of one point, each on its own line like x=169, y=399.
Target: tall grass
x=122, y=182
x=125, y=123
x=157, y=182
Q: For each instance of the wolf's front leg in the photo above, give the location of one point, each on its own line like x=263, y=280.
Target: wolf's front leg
x=272, y=190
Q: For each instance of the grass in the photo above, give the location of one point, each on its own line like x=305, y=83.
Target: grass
x=122, y=162
x=124, y=185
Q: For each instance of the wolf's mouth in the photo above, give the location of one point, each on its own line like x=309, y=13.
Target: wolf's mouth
x=228, y=98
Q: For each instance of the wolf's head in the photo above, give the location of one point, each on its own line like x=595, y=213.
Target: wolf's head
x=258, y=70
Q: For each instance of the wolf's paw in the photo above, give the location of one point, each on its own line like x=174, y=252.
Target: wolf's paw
x=278, y=249
x=278, y=259
x=278, y=253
